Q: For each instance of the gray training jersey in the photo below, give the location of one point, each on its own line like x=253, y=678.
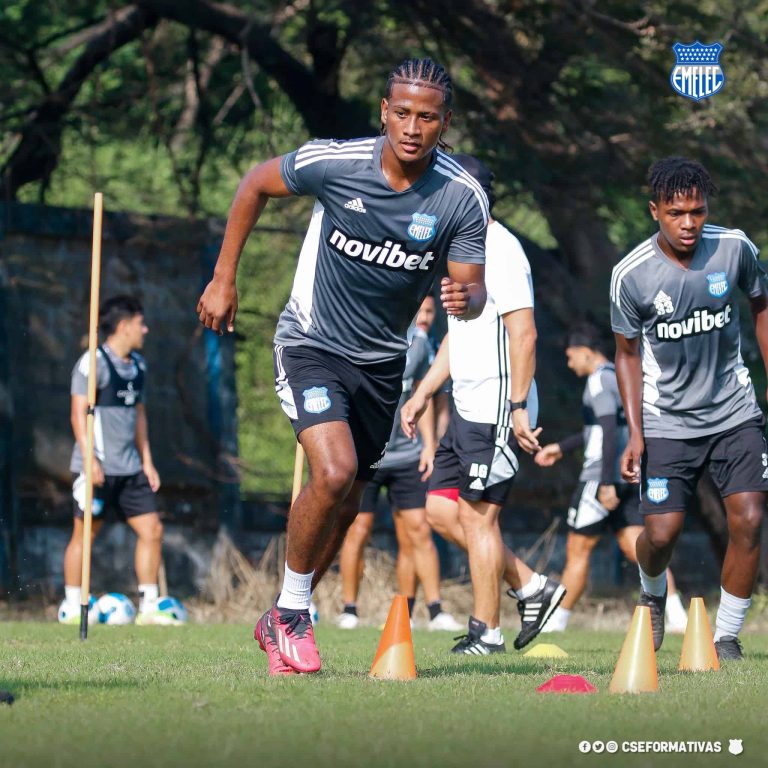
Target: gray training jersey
x=401, y=449
x=370, y=254
x=601, y=398
x=694, y=379
x=114, y=428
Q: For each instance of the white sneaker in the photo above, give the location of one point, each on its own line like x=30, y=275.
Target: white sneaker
x=347, y=621
x=676, y=619
x=444, y=621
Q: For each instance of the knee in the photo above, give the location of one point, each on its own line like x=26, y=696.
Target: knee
x=360, y=526
x=471, y=520
x=661, y=537
x=418, y=533
x=746, y=526
x=336, y=478
x=578, y=551
x=152, y=533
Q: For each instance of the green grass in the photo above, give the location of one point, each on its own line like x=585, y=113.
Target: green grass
x=199, y=696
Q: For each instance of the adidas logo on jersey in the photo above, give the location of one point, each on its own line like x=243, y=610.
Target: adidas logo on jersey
x=390, y=254
x=698, y=322
x=355, y=205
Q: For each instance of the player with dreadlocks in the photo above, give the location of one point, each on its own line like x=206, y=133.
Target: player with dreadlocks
x=687, y=395
x=389, y=212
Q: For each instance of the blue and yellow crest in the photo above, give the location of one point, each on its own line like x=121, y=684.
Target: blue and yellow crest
x=697, y=73
x=718, y=284
x=422, y=227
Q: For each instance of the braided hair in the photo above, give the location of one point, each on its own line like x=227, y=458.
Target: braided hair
x=679, y=176
x=424, y=73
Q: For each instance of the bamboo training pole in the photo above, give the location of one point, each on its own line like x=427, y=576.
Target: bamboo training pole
x=93, y=330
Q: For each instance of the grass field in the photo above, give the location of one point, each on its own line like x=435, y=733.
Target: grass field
x=199, y=696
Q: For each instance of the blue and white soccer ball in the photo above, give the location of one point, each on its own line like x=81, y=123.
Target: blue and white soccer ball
x=172, y=609
x=69, y=613
x=116, y=609
x=314, y=614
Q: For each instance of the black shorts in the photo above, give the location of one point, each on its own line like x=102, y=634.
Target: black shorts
x=478, y=459
x=316, y=387
x=737, y=460
x=127, y=495
x=405, y=488
x=589, y=517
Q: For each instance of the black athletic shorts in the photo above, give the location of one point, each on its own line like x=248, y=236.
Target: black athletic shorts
x=478, y=459
x=737, y=460
x=405, y=488
x=589, y=517
x=316, y=387
x=127, y=495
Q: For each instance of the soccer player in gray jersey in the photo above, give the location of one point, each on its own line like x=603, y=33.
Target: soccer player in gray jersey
x=688, y=397
x=125, y=477
x=390, y=211
x=601, y=500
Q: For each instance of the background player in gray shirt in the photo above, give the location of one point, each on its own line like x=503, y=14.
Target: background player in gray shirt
x=687, y=394
x=601, y=501
x=125, y=478
x=389, y=210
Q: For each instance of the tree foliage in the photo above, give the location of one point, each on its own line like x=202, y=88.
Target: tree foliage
x=163, y=104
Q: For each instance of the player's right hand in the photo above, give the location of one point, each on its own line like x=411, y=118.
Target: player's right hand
x=410, y=414
x=218, y=305
x=98, y=472
x=548, y=455
x=630, y=459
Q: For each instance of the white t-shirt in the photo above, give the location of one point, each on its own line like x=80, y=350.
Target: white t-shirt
x=479, y=349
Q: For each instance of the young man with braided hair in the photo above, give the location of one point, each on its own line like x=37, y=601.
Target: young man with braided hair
x=687, y=395
x=389, y=212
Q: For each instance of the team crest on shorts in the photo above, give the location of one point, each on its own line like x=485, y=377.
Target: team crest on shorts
x=316, y=399
x=697, y=73
x=422, y=226
x=657, y=489
x=718, y=284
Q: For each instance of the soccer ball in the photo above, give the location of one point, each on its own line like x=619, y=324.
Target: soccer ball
x=69, y=613
x=314, y=614
x=172, y=609
x=116, y=609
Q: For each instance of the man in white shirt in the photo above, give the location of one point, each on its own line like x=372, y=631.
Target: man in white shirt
x=491, y=361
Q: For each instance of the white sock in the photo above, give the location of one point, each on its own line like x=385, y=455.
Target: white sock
x=730, y=614
x=675, y=611
x=72, y=595
x=297, y=590
x=532, y=587
x=558, y=621
x=148, y=594
x=492, y=636
x=653, y=585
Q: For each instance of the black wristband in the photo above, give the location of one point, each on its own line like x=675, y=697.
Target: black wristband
x=517, y=406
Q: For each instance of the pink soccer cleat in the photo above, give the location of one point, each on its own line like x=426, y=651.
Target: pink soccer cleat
x=295, y=638
x=264, y=634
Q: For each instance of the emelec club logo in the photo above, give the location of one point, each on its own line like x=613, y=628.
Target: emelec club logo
x=389, y=255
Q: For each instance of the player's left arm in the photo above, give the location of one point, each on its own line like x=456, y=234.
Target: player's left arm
x=521, y=328
x=142, y=445
x=754, y=282
x=462, y=293
x=413, y=409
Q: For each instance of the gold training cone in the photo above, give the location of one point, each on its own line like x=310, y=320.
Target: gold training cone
x=546, y=651
x=699, y=654
x=394, y=656
x=636, y=667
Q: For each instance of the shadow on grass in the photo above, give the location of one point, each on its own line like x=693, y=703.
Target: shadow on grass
x=20, y=687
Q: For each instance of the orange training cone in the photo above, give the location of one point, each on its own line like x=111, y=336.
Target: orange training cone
x=636, y=667
x=394, y=656
x=699, y=654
